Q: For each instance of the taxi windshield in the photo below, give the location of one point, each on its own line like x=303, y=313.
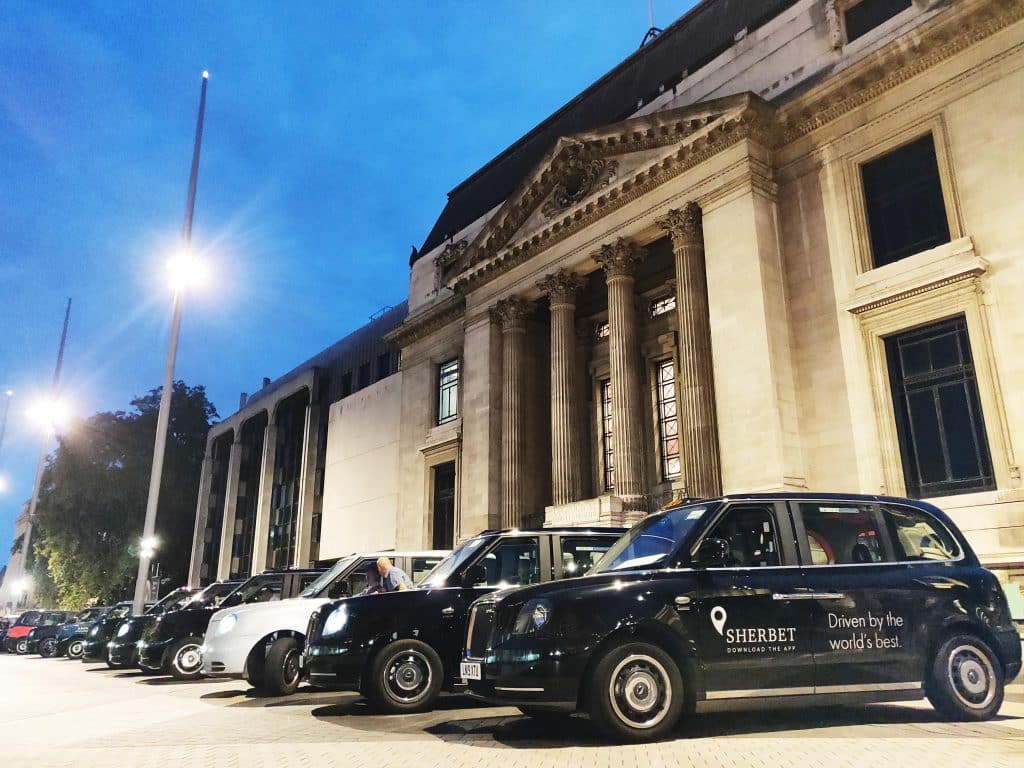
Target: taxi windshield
x=454, y=561
x=89, y=614
x=326, y=578
x=119, y=611
x=650, y=541
x=29, y=619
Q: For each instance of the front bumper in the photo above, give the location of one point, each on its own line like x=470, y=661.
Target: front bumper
x=151, y=653
x=225, y=656
x=529, y=672
x=94, y=649
x=122, y=651
x=32, y=645
x=339, y=666
x=1009, y=652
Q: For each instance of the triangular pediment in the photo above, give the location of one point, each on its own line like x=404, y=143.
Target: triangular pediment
x=584, y=171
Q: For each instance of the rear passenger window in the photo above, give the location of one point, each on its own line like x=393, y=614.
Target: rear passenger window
x=513, y=561
x=918, y=536
x=842, y=534
x=750, y=531
x=421, y=566
x=580, y=553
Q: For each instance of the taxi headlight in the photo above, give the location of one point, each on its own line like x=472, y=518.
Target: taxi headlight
x=227, y=624
x=336, y=621
x=124, y=629
x=534, y=615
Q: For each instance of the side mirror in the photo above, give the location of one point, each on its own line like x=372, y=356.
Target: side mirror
x=712, y=553
x=476, y=574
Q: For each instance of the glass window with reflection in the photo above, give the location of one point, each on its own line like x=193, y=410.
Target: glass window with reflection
x=448, y=391
x=842, y=534
x=753, y=539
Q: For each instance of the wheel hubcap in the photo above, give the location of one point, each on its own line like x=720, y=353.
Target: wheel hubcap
x=408, y=676
x=640, y=691
x=291, y=667
x=75, y=650
x=971, y=676
x=189, y=659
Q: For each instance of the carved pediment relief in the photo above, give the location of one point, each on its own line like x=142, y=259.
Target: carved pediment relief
x=587, y=175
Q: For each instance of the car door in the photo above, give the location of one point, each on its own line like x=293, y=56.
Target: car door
x=754, y=621
x=863, y=626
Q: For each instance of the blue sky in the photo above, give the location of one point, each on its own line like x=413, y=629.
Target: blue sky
x=333, y=132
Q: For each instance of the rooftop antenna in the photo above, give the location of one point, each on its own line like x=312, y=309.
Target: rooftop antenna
x=652, y=31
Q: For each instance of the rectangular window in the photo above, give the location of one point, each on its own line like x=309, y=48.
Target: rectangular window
x=868, y=14
x=383, y=366
x=448, y=391
x=602, y=331
x=750, y=532
x=842, y=534
x=663, y=305
x=581, y=553
x=606, y=435
x=916, y=535
x=668, y=422
x=903, y=198
x=364, y=375
x=513, y=562
x=943, y=442
x=346, y=384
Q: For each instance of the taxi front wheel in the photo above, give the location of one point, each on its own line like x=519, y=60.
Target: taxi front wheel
x=187, y=658
x=406, y=676
x=966, y=679
x=636, y=692
x=282, y=669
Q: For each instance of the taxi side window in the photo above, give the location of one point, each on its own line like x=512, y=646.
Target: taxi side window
x=267, y=593
x=579, y=553
x=842, y=534
x=753, y=540
x=513, y=561
x=918, y=536
x=355, y=583
x=421, y=566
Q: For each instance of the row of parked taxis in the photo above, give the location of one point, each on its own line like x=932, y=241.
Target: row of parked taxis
x=747, y=600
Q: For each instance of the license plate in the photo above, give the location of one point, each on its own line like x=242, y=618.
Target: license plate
x=470, y=670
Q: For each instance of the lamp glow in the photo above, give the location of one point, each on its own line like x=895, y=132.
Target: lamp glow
x=49, y=413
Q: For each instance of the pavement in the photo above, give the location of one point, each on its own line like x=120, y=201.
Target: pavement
x=56, y=712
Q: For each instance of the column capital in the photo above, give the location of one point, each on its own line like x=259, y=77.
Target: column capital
x=512, y=312
x=561, y=287
x=619, y=259
x=684, y=225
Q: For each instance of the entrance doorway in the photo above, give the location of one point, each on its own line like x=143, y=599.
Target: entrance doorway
x=444, y=506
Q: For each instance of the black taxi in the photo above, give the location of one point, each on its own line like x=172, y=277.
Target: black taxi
x=755, y=599
x=401, y=649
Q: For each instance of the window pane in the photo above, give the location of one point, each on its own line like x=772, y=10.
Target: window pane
x=514, y=561
x=580, y=553
x=918, y=536
x=448, y=391
x=606, y=435
x=841, y=534
x=750, y=532
x=668, y=424
x=868, y=14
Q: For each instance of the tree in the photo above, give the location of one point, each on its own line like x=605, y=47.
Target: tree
x=93, y=499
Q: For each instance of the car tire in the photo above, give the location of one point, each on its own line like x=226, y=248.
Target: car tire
x=186, y=658
x=965, y=682
x=21, y=646
x=636, y=692
x=406, y=676
x=48, y=648
x=75, y=649
x=282, y=669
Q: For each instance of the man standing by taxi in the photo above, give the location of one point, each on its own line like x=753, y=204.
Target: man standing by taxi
x=392, y=578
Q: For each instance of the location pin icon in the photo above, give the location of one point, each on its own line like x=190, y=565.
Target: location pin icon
x=718, y=616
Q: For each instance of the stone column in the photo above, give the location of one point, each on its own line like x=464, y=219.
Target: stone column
x=265, y=496
x=619, y=261
x=566, y=454
x=227, y=535
x=511, y=312
x=202, y=509
x=307, y=482
x=698, y=427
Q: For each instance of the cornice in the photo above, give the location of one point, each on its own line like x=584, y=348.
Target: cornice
x=938, y=39
x=424, y=323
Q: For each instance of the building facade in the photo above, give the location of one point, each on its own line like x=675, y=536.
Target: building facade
x=778, y=248
x=16, y=585
x=265, y=497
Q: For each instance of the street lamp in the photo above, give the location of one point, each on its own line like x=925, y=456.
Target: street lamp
x=183, y=269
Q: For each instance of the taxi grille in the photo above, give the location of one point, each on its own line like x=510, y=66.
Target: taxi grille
x=478, y=636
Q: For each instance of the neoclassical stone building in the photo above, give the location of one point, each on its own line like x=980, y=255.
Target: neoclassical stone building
x=777, y=248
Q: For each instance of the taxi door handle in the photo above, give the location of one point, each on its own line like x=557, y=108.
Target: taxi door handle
x=449, y=611
x=808, y=596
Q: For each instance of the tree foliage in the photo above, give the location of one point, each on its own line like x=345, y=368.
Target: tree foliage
x=92, y=503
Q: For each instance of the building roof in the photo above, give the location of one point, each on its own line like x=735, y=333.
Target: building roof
x=692, y=41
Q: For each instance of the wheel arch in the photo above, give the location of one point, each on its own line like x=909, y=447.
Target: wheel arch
x=961, y=625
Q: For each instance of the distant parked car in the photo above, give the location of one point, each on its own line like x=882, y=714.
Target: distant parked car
x=5, y=624
x=71, y=636
x=95, y=646
x=17, y=635
x=263, y=642
x=43, y=639
x=121, y=650
x=173, y=643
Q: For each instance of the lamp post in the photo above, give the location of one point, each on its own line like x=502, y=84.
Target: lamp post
x=181, y=269
x=8, y=394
